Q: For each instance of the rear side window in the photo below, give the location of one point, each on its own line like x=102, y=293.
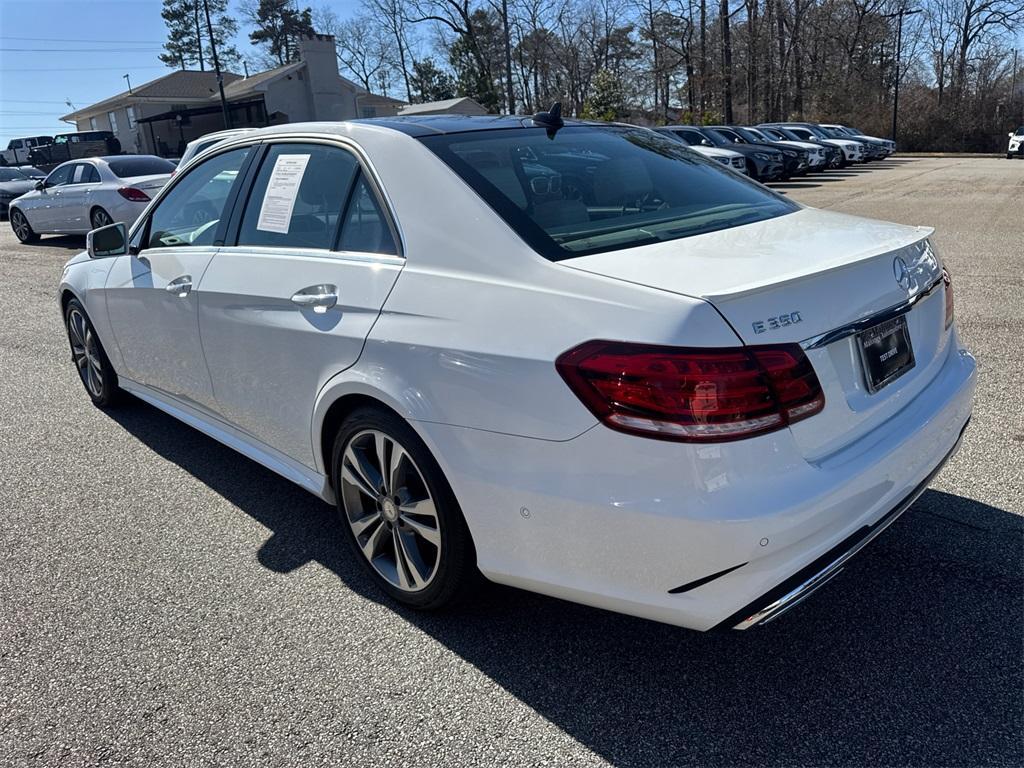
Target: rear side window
x=89, y=175
x=589, y=189
x=298, y=197
x=366, y=228
x=127, y=167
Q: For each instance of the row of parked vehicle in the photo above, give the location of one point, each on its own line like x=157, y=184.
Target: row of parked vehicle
x=91, y=192
x=780, y=151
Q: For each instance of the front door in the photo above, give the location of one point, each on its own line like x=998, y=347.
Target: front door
x=290, y=305
x=43, y=206
x=151, y=294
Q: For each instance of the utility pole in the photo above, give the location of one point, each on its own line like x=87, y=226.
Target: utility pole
x=216, y=66
x=903, y=11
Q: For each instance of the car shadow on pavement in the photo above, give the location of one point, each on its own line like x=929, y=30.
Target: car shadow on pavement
x=67, y=242
x=910, y=657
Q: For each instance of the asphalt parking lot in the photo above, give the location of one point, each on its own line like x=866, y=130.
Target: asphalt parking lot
x=165, y=601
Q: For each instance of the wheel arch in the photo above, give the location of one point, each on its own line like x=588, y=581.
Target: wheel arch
x=342, y=395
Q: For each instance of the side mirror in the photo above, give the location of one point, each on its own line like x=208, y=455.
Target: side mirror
x=41, y=184
x=706, y=143
x=111, y=240
x=1010, y=134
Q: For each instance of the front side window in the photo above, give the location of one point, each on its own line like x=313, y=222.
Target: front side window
x=61, y=175
x=589, y=189
x=16, y=144
x=189, y=214
x=298, y=196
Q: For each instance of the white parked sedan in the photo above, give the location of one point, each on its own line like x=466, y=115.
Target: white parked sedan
x=85, y=194
x=573, y=357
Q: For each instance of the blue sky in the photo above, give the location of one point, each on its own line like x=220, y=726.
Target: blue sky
x=52, y=51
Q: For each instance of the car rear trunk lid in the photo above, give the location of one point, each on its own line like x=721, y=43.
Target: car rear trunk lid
x=814, y=277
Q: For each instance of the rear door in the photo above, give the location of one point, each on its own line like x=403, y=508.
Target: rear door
x=291, y=301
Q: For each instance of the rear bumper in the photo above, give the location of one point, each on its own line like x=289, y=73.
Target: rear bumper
x=809, y=579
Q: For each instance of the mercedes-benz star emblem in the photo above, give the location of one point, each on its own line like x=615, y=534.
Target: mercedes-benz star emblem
x=901, y=272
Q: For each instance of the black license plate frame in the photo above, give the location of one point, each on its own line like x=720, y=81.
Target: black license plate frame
x=886, y=353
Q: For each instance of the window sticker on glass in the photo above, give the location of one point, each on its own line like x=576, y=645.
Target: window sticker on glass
x=282, y=189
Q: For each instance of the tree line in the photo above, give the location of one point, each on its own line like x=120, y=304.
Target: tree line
x=960, y=68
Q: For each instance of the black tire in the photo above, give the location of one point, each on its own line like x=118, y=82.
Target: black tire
x=22, y=229
x=455, y=574
x=82, y=337
x=99, y=218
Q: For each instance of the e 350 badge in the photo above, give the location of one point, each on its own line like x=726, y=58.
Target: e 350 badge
x=774, y=323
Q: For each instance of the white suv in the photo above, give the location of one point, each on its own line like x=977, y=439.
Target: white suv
x=1016, y=145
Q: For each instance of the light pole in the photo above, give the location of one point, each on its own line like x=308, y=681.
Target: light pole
x=216, y=66
x=903, y=11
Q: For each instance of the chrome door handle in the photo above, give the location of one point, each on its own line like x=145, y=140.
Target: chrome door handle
x=319, y=298
x=181, y=286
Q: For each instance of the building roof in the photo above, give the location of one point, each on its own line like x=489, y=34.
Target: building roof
x=248, y=85
x=436, y=107
x=182, y=85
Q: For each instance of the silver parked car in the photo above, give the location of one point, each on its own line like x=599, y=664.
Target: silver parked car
x=81, y=195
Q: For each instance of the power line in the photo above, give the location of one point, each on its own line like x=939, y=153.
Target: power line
x=29, y=101
x=81, y=69
x=15, y=112
x=70, y=40
x=78, y=50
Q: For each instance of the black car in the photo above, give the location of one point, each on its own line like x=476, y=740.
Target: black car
x=763, y=163
x=797, y=161
x=13, y=183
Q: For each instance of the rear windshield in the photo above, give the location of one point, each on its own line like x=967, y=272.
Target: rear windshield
x=588, y=189
x=128, y=166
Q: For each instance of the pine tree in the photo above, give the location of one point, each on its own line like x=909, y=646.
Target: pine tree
x=188, y=41
x=279, y=25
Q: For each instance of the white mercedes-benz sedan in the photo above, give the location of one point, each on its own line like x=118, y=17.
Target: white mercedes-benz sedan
x=576, y=358
x=81, y=195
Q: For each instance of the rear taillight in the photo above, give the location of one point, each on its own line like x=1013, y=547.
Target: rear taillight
x=947, y=285
x=693, y=394
x=133, y=194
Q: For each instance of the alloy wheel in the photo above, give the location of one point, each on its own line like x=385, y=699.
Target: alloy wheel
x=390, y=510
x=100, y=218
x=85, y=352
x=20, y=225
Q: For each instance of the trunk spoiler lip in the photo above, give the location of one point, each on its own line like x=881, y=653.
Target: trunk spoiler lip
x=923, y=234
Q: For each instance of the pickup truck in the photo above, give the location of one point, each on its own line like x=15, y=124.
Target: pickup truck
x=74, y=146
x=18, y=150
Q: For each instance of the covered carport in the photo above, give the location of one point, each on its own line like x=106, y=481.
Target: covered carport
x=167, y=133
